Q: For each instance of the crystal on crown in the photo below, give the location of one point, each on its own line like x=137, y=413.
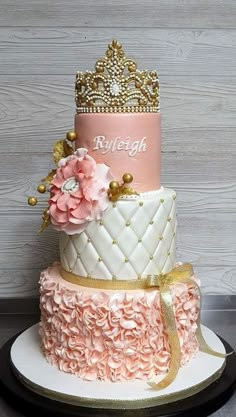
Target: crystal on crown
x=116, y=85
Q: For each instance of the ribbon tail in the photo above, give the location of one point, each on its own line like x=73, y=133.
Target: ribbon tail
x=203, y=345
x=173, y=338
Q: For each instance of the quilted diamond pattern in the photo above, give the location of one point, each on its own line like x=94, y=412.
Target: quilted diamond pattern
x=135, y=238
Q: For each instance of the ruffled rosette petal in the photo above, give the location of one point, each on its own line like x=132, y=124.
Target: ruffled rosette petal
x=78, y=192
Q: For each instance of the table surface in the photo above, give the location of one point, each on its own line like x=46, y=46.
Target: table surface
x=222, y=322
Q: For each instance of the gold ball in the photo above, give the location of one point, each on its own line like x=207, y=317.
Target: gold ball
x=132, y=67
x=71, y=136
x=114, y=185
x=32, y=201
x=141, y=102
x=41, y=188
x=127, y=178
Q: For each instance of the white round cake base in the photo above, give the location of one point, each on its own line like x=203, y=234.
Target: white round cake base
x=37, y=374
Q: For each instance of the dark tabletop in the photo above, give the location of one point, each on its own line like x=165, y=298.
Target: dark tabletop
x=222, y=322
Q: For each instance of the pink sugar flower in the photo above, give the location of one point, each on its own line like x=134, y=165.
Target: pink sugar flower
x=78, y=192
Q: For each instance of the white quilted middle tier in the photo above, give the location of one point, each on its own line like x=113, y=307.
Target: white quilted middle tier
x=135, y=237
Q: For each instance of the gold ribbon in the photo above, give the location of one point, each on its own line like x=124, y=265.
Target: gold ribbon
x=183, y=274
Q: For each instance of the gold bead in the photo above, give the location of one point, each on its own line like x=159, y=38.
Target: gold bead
x=114, y=242
x=126, y=260
x=32, y=201
x=162, y=200
x=127, y=223
x=114, y=185
x=99, y=259
x=139, y=240
x=168, y=253
x=151, y=257
x=114, y=277
x=169, y=219
x=71, y=136
x=161, y=238
x=131, y=67
x=141, y=102
x=174, y=197
x=101, y=222
x=41, y=188
x=127, y=178
x=114, y=205
x=151, y=222
x=141, y=203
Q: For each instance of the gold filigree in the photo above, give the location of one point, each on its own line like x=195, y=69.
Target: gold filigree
x=116, y=85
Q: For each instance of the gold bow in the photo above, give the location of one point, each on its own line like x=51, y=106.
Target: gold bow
x=183, y=274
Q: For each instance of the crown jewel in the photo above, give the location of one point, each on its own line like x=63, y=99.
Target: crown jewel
x=116, y=85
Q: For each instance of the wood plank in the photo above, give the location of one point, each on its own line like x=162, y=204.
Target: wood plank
x=197, y=113
x=215, y=280
x=19, y=283
x=207, y=240
x=203, y=183
x=64, y=51
x=103, y=13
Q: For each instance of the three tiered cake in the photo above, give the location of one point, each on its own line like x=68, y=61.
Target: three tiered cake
x=117, y=307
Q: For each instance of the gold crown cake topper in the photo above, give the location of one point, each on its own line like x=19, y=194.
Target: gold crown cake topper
x=116, y=85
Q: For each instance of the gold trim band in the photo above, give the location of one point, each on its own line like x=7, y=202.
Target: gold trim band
x=103, y=284
x=178, y=274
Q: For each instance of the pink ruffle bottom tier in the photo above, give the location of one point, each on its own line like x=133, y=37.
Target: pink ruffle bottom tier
x=112, y=335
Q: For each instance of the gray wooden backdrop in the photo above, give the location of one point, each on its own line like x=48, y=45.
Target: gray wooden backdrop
x=193, y=46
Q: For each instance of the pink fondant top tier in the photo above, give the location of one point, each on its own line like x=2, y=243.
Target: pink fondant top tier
x=126, y=142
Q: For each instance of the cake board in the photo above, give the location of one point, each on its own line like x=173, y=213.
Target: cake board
x=27, y=395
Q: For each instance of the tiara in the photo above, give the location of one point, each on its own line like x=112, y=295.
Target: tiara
x=116, y=85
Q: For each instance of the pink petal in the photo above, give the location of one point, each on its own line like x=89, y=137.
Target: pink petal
x=58, y=215
x=63, y=201
x=57, y=182
x=73, y=202
x=72, y=229
x=68, y=170
x=81, y=153
x=87, y=168
x=55, y=194
x=75, y=220
x=90, y=189
x=103, y=174
x=74, y=164
x=59, y=175
x=83, y=210
x=78, y=193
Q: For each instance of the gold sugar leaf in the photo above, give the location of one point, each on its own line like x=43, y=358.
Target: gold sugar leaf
x=50, y=176
x=45, y=220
